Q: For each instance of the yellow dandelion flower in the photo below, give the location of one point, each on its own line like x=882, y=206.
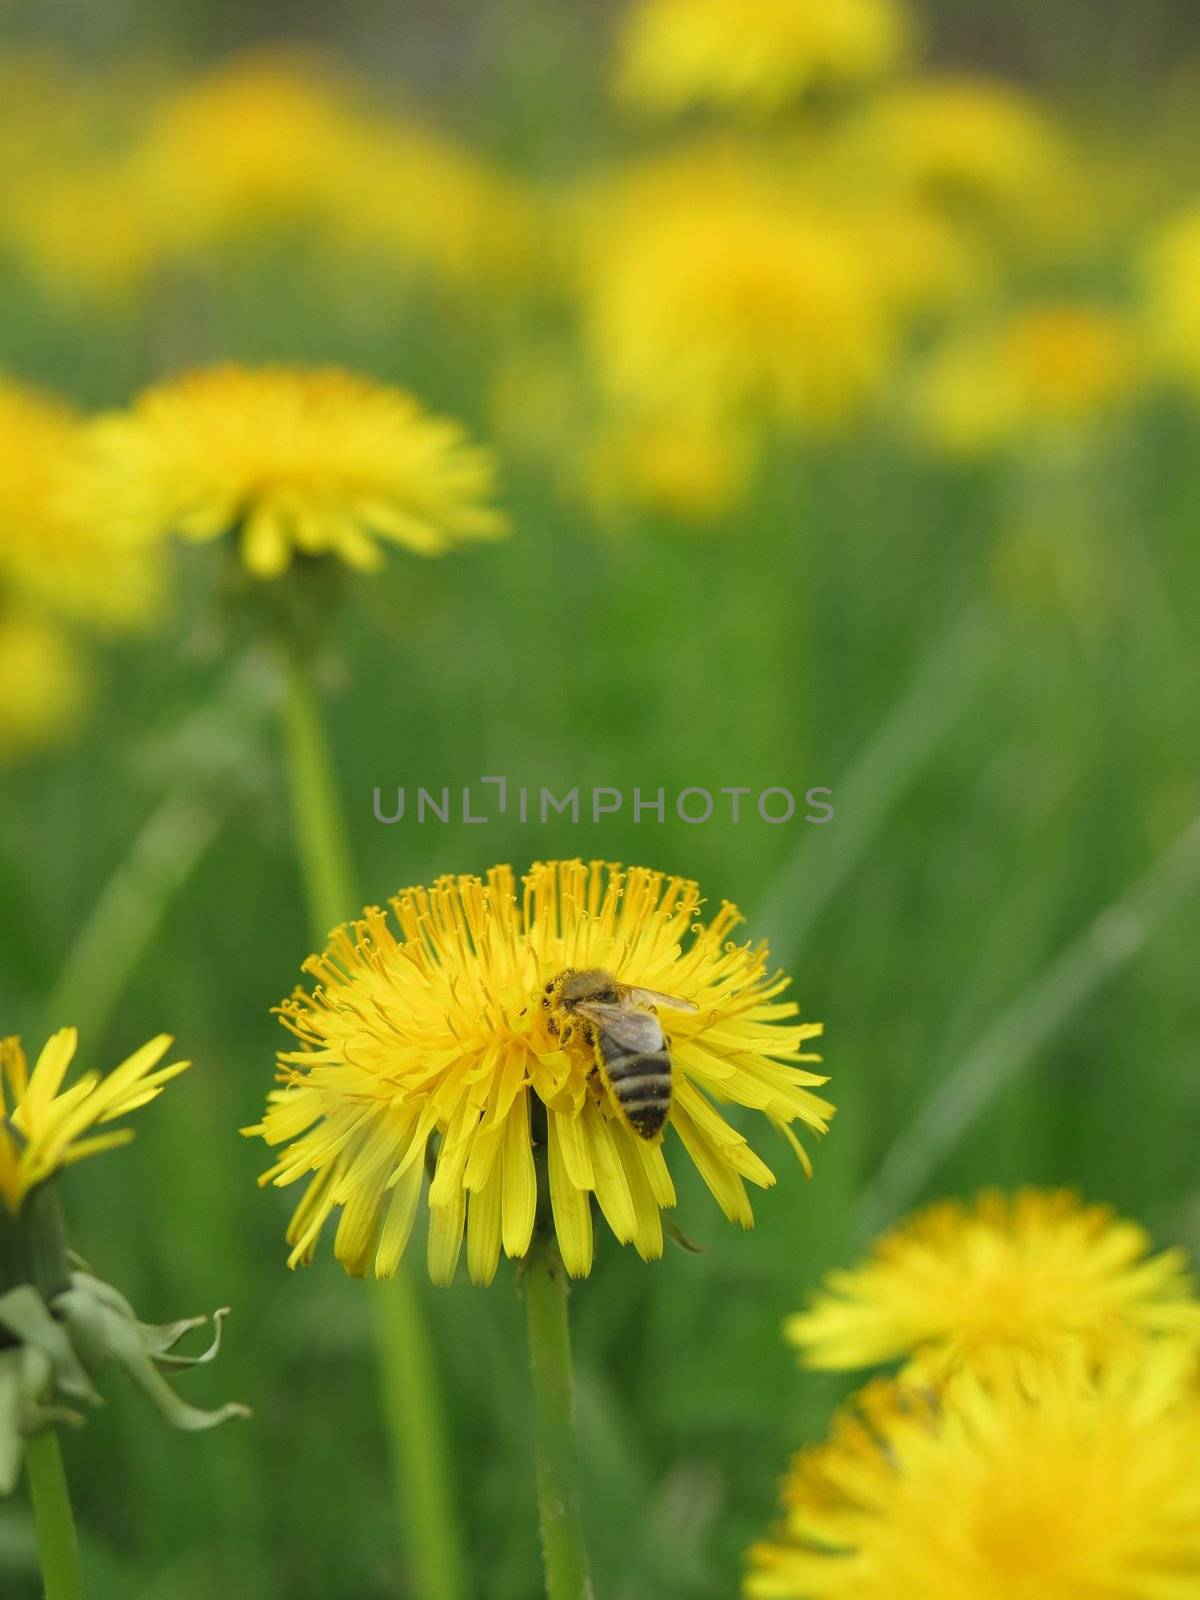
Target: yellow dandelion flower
x=249, y=148
x=754, y=55
x=1172, y=281
x=455, y=1042
x=925, y=261
x=1072, y=360
x=44, y=1127
x=1016, y=1276
x=410, y=196
x=683, y=466
x=1047, y=368
x=72, y=209
x=44, y=685
x=709, y=290
x=295, y=461
x=1085, y=1487
x=971, y=143
x=71, y=564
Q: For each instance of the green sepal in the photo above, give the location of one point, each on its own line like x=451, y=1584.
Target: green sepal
x=49, y=1354
x=25, y=1313
x=126, y=1345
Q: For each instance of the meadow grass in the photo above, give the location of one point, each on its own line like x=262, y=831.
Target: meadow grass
x=1007, y=760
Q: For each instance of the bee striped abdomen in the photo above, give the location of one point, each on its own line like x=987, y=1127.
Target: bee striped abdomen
x=641, y=1086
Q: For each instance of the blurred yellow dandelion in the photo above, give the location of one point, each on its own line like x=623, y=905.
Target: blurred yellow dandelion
x=1072, y=360
x=925, y=261
x=66, y=562
x=686, y=467
x=973, y=144
x=249, y=148
x=44, y=686
x=293, y=461
x=1027, y=1275
x=44, y=1127
x=1084, y=1488
x=412, y=197
x=709, y=291
x=1172, y=282
x=440, y=1044
x=756, y=55
x=1048, y=368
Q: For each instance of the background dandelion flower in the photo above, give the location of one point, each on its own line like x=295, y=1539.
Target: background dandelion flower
x=413, y=198
x=978, y=147
x=44, y=687
x=1047, y=369
x=295, y=461
x=708, y=292
x=757, y=56
x=245, y=150
x=1171, y=273
x=437, y=1045
x=1034, y=1274
x=75, y=565
x=1087, y=1489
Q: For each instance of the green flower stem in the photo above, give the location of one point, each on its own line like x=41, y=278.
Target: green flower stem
x=58, y=1546
x=560, y=1514
x=411, y=1391
x=320, y=827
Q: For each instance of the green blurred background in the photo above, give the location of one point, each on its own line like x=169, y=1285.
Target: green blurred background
x=991, y=663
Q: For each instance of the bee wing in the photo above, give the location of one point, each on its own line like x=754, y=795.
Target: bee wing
x=633, y=1031
x=651, y=997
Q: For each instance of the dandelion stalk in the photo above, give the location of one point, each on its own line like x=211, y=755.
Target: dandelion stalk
x=58, y=1546
x=320, y=830
x=411, y=1393
x=560, y=1509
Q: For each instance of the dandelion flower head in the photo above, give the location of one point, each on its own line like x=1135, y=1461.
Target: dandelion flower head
x=972, y=144
x=708, y=289
x=1172, y=288
x=687, y=468
x=1084, y=1487
x=51, y=558
x=1048, y=368
x=291, y=460
x=1022, y=1276
x=45, y=1127
x=250, y=147
x=416, y=199
x=435, y=1042
x=44, y=686
x=754, y=55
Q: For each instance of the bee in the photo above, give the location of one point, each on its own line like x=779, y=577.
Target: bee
x=626, y=1037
